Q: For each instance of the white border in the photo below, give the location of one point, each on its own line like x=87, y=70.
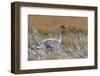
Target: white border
x=25, y=64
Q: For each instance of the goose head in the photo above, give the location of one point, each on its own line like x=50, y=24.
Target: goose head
x=62, y=29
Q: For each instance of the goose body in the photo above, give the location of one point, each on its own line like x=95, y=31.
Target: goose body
x=53, y=43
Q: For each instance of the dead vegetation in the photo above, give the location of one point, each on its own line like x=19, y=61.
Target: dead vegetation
x=74, y=45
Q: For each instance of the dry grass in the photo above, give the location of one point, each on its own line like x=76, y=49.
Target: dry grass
x=74, y=44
